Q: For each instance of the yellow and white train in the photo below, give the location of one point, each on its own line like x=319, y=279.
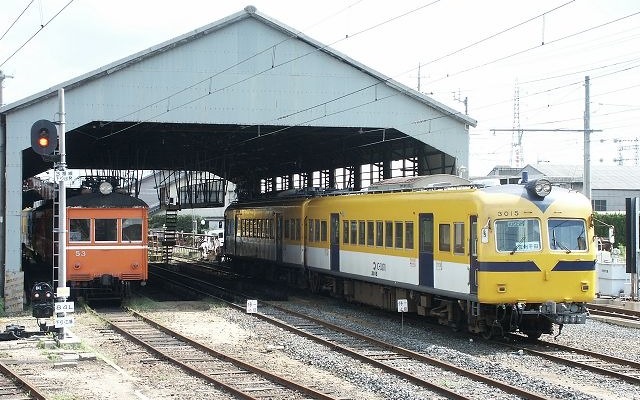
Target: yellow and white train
x=492, y=259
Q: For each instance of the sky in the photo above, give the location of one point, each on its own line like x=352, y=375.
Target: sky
x=518, y=64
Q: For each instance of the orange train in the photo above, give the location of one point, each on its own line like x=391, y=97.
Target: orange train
x=106, y=244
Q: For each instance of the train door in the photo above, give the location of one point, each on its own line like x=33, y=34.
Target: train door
x=473, y=255
x=278, y=237
x=335, y=242
x=426, y=249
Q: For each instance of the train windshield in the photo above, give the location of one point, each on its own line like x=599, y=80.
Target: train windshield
x=567, y=235
x=518, y=235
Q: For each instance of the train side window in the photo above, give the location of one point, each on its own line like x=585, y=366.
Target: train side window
x=286, y=228
x=388, y=233
x=379, y=233
x=323, y=230
x=361, y=233
x=474, y=239
x=270, y=229
x=345, y=231
x=132, y=229
x=310, y=229
x=316, y=233
x=354, y=232
x=297, y=229
x=370, y=236
x=399, y=234
x=444, y=237
x=106, y=230
x=79, y=230
x=458, y=237
x=408, y=235
x=426, y=234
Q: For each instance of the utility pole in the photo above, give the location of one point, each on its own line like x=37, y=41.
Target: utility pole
x=587, y=141
x=2, y=78
x=516, y=135
x=458, y=97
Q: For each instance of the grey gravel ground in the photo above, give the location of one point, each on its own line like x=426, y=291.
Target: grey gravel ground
x=248, y=338
x=529, y=372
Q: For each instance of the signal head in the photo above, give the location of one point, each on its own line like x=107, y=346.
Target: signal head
x=44, y=137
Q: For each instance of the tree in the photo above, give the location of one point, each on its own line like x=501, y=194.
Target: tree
x=603, y=221
x=184, y=222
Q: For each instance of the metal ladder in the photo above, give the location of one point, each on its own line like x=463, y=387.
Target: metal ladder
x=170, y=225
x=55, y=242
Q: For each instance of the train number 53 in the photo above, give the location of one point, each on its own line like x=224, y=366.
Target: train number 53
x=81, y=253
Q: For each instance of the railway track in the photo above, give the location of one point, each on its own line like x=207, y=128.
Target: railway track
x=222, y=370
x=615, y=367
x=16, y=386
x=415, y=367
x=614, y=312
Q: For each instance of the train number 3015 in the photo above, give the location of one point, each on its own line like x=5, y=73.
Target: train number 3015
x=508, y=213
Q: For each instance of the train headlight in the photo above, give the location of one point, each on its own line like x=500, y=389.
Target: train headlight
x=538, y=187
x=106, y=188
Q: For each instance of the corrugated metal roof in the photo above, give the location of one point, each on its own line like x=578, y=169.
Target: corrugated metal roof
x=248, y=12
x=602, y=176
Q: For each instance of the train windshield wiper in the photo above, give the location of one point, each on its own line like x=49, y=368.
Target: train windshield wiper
x=515, y=247
x=558, y=243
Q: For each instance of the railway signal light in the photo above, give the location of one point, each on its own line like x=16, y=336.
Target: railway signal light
x=44, y=137
x=42, y=300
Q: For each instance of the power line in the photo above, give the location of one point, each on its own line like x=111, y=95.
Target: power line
x=498, y=33
x=34, y=35
x=16, y=20
x=536, y=47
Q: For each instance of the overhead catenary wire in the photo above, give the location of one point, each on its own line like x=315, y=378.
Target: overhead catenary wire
x=16, y=20
x=534, y=47
x=36, y=33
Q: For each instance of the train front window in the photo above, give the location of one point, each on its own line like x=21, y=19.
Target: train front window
x=131, y=229
x=106, y=230
x=79, y=230
x=518, y=235
x=567, y=235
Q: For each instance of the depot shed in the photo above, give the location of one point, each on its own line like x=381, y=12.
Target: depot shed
x=246, y=98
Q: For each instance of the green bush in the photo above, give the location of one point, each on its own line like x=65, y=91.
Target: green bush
x=602, y=222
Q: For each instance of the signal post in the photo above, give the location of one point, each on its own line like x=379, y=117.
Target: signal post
x=45, y=137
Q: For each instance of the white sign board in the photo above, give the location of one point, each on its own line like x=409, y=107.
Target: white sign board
x=403, y=305
x=252, y=306
x=484, y=235
x=63, y=291
x=66, y=176
x=64, y=306
x=65, y=322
